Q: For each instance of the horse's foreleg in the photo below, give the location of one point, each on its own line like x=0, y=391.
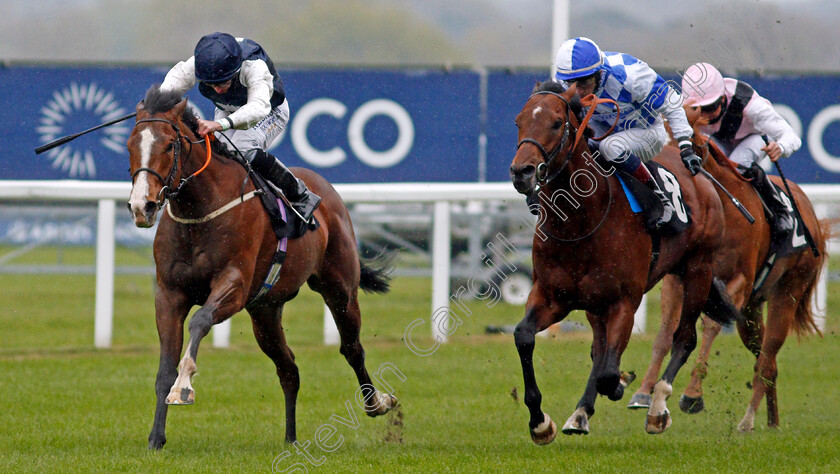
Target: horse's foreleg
x=171, y=310
x=671, y=302
x=538, y=316
x=691, y=400
x=268, y=330
x=780, y=314
x=578, y=422
x=222, y=303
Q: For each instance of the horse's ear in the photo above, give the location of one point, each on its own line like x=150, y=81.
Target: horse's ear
x=570, y=92
x=180, y=107
x=141, y=106
x=692, y=114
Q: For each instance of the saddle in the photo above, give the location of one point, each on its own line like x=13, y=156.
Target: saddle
x=286, y=224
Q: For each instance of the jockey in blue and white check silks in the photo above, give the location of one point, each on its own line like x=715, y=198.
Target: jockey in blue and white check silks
x=642, y=95
x=642, y=101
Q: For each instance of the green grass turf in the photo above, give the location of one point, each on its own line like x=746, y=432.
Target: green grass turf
x=67, y=407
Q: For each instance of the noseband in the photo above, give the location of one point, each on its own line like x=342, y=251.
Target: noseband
x=167, y=191
x=549, y=157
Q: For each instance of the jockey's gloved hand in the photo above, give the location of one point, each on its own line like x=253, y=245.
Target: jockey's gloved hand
x=689, y=158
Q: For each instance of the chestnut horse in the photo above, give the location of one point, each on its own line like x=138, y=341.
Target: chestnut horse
x=214, y=248
x=787, y=290
x=599, y=257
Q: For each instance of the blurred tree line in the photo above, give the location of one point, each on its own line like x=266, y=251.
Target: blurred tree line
x=735, y=34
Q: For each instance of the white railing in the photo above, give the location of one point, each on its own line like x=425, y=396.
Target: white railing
x=441, y=194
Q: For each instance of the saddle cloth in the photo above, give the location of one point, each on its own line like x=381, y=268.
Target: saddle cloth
x=642, y=198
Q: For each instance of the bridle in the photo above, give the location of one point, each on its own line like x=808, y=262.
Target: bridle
x=542, y=176
x=167, y=191
x=549, y=157
x=590, y=101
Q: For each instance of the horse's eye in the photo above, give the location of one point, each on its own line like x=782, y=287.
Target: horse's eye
x=557, y=125
x=170, y=146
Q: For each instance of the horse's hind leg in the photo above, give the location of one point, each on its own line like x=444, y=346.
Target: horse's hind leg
x=268, y=330
x=171, y=310
x=671, y=303
x=696, y=283
x=344, y=305
x=610, y=334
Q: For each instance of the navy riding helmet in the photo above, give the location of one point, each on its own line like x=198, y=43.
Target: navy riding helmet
x=218, y=57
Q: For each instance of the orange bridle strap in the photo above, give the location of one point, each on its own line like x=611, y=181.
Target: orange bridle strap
x=591, y=101
x=207, y=139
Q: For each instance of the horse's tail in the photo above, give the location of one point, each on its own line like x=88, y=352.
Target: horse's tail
x=803, y=316
x=719, y=306
x=376, y=272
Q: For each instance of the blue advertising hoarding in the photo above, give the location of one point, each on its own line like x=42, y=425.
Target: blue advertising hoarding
x=351, y=125
x=811, y=104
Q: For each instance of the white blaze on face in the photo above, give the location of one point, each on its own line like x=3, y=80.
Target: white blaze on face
x=141, y=184
x=536, y=112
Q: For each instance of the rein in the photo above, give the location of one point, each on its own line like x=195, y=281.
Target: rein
x=548, y=157
x=590, y=101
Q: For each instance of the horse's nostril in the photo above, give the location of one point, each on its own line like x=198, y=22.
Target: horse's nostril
x=524, y=172
x=150, y=207
x=528, y=171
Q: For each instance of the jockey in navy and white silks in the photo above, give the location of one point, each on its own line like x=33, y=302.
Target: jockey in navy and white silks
x=643, y=99
x=739, y=119
x=251, y=107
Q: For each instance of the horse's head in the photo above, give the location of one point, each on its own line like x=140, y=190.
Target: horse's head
x=154, y=148
x=544, y=130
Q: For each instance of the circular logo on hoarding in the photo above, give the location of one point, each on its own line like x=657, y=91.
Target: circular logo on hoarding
x=75, y=108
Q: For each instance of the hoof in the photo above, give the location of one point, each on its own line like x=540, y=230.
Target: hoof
x=655, y=424
x=745, y=427
x=156, y=443
x=545, y=432
x=184, y=396
x=578, y=423
x=627, y=378
x=385, y=402
x=639, y=400
x=691, y=405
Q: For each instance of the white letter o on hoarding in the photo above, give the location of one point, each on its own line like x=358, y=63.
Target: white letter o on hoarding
x=815, y=138
x=356, y=135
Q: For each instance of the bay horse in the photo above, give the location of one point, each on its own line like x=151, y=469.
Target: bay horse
x=599, y=257
x=214, y=247
x=786, y=290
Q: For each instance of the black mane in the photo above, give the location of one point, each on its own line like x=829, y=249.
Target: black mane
x=157, y=102
x=559, y=88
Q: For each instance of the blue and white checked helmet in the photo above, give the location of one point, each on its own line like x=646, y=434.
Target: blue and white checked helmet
x=577, y=57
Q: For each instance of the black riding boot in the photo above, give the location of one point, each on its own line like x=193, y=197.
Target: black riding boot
x=303, y=200
x=667, y=205
x=643, y=174
x=782, y=219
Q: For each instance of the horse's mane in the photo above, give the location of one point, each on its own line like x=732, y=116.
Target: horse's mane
x=558, y=88
x=158, y=101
